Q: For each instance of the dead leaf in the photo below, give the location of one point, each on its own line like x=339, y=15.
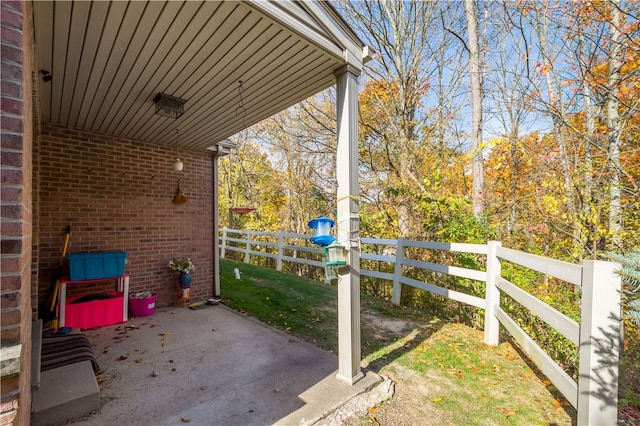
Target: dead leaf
x=203, y=387
x=508, y=412
x=373, y=409
x=174, y=369
x=138, y=360
x=122, y=358
x=170, y=361
x=166, y=333
x=276, y=390
x=185, y=420
x=154, y=374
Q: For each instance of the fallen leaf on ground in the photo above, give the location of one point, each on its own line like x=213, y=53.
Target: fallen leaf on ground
x=166, y=333
x=154, y=373
x=122, y=358
x=185, y=420
x=138, y=360
x=508, y=412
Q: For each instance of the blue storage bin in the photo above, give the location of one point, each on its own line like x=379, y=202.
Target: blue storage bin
x=94, y=266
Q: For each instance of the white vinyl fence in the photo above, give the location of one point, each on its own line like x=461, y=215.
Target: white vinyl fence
x=597, y=335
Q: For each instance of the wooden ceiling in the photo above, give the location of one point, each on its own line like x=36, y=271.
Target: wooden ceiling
x=235, y=63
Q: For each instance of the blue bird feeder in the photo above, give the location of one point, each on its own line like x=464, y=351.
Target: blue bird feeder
x=322, y=227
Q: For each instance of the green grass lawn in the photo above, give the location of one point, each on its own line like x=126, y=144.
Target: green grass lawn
x=476, y=383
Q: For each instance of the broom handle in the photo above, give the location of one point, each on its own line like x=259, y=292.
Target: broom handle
x=66, y=244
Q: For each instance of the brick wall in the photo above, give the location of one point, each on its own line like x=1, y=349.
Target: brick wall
x=16, y=230
x=117, y=195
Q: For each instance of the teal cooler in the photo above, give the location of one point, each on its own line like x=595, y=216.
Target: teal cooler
x=95, y=266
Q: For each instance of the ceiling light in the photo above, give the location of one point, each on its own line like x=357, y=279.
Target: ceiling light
x=168, y=105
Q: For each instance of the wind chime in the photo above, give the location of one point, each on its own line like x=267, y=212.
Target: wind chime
x=179, y=198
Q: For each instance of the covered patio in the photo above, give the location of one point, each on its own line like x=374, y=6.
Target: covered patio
x=85, y=144
x=217, y=366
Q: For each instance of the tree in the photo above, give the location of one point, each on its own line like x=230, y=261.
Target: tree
x=475, y=73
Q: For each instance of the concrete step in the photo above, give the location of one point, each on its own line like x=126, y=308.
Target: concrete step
x=65, y=393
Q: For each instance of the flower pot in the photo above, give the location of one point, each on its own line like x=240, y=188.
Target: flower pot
x=185, y=280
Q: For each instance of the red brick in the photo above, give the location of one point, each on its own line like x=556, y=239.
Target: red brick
x=10, y=71
x=11, y=53
x=10, y=176
x=10, y=194
x=11, y=141
x=10, y=264
x=11, y=246
x=11, y=106
x=11, y=36
x=11, y=17
x=12, y=124
x=11, y=283
x=10, y=336
x=9, y=317
x=12, y=159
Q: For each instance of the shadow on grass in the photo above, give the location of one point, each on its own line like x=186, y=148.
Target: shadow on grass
x=555, y=392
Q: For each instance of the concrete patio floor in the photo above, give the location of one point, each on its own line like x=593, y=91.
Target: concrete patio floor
x=214, y=366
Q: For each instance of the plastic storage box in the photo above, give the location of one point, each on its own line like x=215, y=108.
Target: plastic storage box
x=94, y=266
x=94, y=313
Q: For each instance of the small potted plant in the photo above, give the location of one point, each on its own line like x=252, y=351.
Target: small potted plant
x=185, y=266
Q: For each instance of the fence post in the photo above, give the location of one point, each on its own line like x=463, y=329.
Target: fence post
x=223, y=245
x=397, y=273
x=600, y=322
x=247, y=249
x=280, y=250
x=492, y=295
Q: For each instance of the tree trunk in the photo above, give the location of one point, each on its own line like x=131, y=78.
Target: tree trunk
x=614, y=126
x=477, y=193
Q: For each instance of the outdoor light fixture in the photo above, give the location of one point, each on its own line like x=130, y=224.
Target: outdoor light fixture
x=321, y=227
x=169, y=106
x=336, y=254
x=178, y=165
x=46, y=76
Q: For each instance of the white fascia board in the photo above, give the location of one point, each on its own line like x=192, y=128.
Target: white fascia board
x=356, y=53
x=284, y=13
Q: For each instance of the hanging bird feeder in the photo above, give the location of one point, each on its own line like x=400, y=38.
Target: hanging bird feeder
x=336, y=254
x=322, y=227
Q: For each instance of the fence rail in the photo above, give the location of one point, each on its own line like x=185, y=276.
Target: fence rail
x=597, y=335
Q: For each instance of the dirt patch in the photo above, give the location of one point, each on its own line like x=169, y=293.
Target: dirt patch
x=380, y=323
x=410, y=405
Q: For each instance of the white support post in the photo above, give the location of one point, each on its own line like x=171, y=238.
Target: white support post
x=599, y=350
x=348, y=225
x=247, y=249
x=223, y=244
x=492, y=295
x=280, y=252
x=216, y=228
x=397, y=272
